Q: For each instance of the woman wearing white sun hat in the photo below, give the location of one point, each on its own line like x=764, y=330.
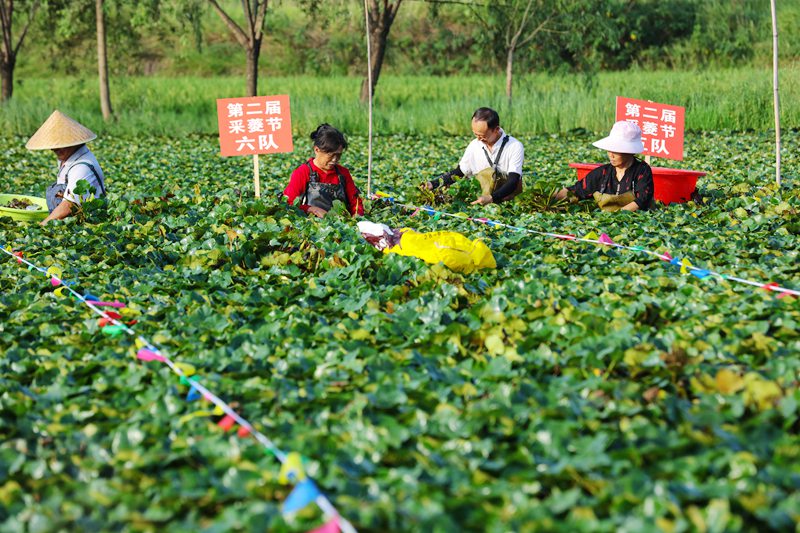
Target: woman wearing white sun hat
x=625, y=182
x=67, y=139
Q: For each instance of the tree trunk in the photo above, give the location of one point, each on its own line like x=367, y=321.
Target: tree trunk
x=378, y=42
x=509, y=75
x=250, y=40
x=6, y=79
x=252, y=68
x=380, y=22
x=509, y=78
x=102, y=62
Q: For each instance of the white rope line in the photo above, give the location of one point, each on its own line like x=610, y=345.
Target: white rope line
x=324, y=504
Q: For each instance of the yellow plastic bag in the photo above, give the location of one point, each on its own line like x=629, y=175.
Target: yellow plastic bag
x=457, y=252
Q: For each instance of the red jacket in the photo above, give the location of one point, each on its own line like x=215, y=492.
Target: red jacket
x=299, y=181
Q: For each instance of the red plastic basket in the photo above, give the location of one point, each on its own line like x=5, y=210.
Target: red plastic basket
x=672, y=185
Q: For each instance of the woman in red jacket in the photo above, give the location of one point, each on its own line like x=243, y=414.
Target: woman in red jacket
x=319, y=181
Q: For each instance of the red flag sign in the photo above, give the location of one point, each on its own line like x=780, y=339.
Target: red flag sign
x=662, y=126
x=254, y=125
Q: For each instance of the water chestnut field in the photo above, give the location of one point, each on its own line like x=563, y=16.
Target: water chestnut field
x=573, y=388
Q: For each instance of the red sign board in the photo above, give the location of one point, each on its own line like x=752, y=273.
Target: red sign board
x=254, y=125
x=662, y=125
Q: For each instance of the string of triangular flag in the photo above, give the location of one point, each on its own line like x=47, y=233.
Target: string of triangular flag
x=305, y=491
x=685, y=265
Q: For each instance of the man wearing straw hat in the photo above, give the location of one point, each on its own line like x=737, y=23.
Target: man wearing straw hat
x=67, y=139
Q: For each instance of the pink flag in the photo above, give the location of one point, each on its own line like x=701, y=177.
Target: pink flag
x=109, y=304
x=332, y=526
x=148, y=355
x=666, y=257
x=605, y=239
x=769, y=286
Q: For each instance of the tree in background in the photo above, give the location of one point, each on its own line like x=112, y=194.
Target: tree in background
x=381, y=15
x=102, y=62
x=560, y=27
x=10, y=49
x=254, y=15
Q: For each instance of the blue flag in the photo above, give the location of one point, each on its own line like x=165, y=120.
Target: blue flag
x=303, y=494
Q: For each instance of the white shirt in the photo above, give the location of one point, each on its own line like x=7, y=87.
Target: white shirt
x=70, y=172
x=474, y=159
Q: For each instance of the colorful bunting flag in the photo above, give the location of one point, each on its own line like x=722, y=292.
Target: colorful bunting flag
x=700, y=273
x=193, y=395
x=108, y=304
x=292, y=469
x=187, y=369
x=331, y=526
x=185, y=418
x=112, y=331
x=226, y=423
x=591, y=236
x=243, y=431
x=304, y=493
x=567, y=237
x=59, y=292
x=769, y=286
x=148, y=355
x=666, y=257
x=685, y=266
x=605, y=239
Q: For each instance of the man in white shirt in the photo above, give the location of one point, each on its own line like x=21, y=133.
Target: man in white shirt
x=493, y=156
x=67, y=139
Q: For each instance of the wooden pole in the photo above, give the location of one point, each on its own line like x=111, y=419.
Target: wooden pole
x=256, y=180
x=777, y=99
x=369, y=83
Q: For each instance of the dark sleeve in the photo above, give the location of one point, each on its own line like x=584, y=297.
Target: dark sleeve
x=507, y=188
x=447, y=178
x=644, y=188
x=584, y=189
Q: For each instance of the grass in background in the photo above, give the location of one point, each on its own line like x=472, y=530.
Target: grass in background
x=739, y=99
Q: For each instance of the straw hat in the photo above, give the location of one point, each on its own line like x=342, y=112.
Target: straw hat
x=59, y=131
x=625, y=138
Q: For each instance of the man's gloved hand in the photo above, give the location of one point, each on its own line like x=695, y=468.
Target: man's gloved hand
x=430, y=185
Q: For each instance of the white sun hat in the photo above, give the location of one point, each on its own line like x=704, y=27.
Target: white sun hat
x=59, y=131
x=625, y=138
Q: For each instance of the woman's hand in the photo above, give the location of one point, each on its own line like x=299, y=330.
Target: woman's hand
x=482, y=200
x=317, y=211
